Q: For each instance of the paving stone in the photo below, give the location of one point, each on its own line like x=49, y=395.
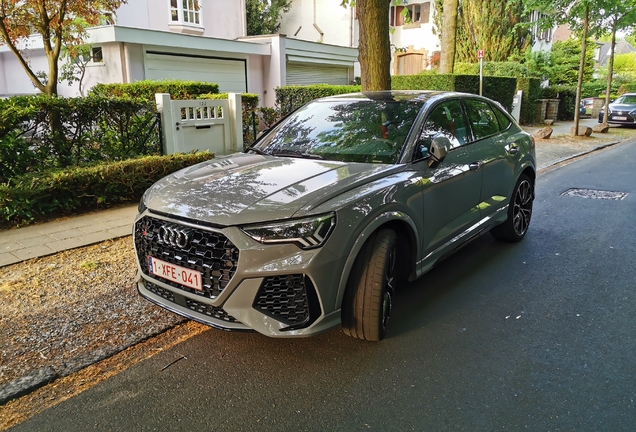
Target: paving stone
x=8, y=258
x=121, y=231
x=9, y=246
x=67, y=234
x=71, y=243
x=26, y=384
x=33, y=252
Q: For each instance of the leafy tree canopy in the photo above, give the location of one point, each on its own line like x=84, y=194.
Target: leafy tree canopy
x=564, y=62
x=263, y=16
x=59, y=22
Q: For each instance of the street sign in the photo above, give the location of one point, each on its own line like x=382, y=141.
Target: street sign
x=480, y=54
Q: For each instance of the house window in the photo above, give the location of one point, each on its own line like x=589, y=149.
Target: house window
x=410, y=14
x=97, y=56
x=185, y=12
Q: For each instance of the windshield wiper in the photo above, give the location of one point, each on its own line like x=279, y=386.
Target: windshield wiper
x=257, y=151
x=288, y=153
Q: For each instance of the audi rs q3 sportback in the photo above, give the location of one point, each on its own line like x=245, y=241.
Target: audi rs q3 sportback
x=321, y=219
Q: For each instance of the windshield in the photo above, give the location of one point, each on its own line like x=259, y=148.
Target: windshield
x=366, y=131
x=626, y=99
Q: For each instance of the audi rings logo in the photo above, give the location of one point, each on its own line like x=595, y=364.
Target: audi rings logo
x=174, y=235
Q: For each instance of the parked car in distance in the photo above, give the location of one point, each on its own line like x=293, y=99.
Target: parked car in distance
x=621, y=111
x=318, y=223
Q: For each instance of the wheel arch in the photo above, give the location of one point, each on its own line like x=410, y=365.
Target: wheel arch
x=405, y=229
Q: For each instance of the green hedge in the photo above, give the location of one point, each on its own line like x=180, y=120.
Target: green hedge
x=79, y=189
x=626, y=88
x=501, y=69
x=501, y=89
x=147, y=89
x=41, y=132
x=288, y=98
x=249, y=103
x=531, y=88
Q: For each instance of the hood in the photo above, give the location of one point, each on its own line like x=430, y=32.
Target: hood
x=248, y=188
x=622, y=107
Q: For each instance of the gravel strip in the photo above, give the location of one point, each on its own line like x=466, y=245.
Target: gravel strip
x=64, y=312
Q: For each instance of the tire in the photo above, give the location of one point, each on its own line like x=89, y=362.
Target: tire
x=516, y=226
x=366, y=307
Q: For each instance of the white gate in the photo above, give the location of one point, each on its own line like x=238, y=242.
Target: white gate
x=199, y=125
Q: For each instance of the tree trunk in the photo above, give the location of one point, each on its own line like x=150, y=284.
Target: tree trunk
x=449, y=36
x=577, y=102
x=374, y=50
x=610, y=72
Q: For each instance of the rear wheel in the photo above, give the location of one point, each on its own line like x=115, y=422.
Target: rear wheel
x=366, y=308
x=519, y=212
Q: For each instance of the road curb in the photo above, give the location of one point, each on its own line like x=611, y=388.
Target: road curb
x=584, y=153
x=27, y=384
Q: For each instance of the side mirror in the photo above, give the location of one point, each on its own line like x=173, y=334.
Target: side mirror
x=439, y=149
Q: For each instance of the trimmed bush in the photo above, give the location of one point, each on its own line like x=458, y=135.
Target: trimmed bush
x=501, y=89
x=41, y=132
x=626, y=88
x=288, y=98
x=531, y=88
x=501, y=69
x=79, y=189
x=147, y=89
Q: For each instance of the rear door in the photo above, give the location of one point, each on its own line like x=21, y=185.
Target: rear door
x=499, y=153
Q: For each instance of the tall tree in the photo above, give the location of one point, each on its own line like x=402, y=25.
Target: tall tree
x=374, y=46
x=263, y=16
x=491, y=25
x=565, y=58
x=448, y=36
x=58, y=22
x=619, y=15
x=583, y=15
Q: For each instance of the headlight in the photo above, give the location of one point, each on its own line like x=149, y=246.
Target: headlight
x=142, y=203
x=306, y=233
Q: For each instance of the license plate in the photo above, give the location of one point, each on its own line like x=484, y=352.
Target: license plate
x=619, y=118
x=175, y=273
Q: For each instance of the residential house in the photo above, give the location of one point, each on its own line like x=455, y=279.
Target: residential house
x=602, y=51
x=327, y=21
x=201, y=40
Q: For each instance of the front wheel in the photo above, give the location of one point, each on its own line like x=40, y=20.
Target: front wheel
x=366, y=307
x=519, y=212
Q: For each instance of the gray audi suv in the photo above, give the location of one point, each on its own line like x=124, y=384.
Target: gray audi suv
x=319, y=222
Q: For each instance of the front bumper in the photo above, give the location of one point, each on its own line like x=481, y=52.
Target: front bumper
x=277, y=290
x=624, y=118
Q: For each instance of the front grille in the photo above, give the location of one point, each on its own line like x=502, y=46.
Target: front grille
x=210, y=253
x=288, y=299
x=202, y=308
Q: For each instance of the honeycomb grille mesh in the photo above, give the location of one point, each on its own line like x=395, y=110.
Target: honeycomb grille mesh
x=209, y=310
x=284, y=298
x=210, y=253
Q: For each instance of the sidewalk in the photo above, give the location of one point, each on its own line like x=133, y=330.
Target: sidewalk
x=67, y=233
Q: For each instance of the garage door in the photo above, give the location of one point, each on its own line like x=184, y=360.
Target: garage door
x=229, y=74
x=299, y=74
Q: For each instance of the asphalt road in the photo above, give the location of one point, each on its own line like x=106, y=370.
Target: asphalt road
x=533, y=336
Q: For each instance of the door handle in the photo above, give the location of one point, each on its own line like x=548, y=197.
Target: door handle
x=475, y=166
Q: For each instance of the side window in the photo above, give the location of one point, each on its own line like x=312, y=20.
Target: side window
x=482, y=118
x=446, y=119
x=504, y=121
